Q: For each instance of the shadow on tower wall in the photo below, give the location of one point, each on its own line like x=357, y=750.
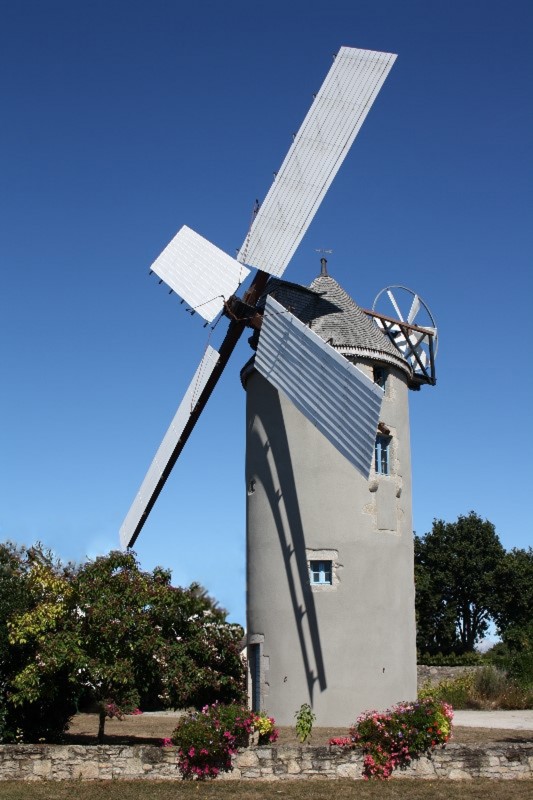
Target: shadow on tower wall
x=292, y=543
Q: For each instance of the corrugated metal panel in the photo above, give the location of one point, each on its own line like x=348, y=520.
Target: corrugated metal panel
x=199, y=272
x=319, y=148
x=167, y=447
x=337, y=397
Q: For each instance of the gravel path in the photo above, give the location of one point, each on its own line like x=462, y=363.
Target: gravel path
x=508, y=720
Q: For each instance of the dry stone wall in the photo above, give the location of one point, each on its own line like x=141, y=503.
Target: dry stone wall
x=435, y=675
x=113, y=762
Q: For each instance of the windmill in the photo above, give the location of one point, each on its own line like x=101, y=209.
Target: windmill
x=299, y=381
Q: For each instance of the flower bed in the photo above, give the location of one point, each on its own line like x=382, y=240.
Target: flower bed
x=208, y=740
x=392, y=739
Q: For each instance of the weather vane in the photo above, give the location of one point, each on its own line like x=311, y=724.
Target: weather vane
x=323, y=259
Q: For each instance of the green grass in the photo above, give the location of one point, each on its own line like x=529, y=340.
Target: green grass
x=292, y=790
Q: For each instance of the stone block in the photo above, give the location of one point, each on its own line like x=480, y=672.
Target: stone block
x=288, y=753
x=459, y=775
x=151, y=755
x=251, y=773
x=61, y=754
x=423, y=767
x=349, y=771
x=247, y=758
x=87, y=771
x=43, y=768
x=132, y=766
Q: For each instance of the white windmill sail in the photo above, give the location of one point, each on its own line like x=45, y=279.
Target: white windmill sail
x=199, y=272
x=151, y=484
x=204, y=276
x=337, y=397
x=318, y=150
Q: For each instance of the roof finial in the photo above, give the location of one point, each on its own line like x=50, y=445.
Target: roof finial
x=323, y=261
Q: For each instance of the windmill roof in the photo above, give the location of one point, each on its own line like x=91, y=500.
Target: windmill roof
x=337, y=319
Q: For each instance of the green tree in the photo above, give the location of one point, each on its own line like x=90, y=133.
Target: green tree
x=37, y=693
x=118, y=636
x=455, y=572
x=514, y=599
x=12, y=598
x=435, y=617
x=145, y=641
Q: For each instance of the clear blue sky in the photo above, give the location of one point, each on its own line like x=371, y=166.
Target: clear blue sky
x=121, y=121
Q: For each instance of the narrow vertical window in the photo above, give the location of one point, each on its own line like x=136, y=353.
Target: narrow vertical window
x=382, y=455
x=320, y=572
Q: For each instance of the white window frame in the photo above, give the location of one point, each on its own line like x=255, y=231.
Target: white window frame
x=382, y=454
x=323, y=568
x=326, y=557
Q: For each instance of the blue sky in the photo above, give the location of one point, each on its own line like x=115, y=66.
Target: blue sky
x=122, y=121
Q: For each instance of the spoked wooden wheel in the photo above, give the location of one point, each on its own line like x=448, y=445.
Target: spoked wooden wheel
x=408, y=307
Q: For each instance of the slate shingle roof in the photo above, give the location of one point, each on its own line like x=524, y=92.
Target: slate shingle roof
x=337, y=319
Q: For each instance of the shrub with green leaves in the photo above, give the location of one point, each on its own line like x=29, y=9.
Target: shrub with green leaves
x=395, y=737
x=38, y=692
x=208, y=739
x=486, y=688
x=204, y=749
x=455, y=691
x=518, y=662
x=489, y=683
x=304, y=722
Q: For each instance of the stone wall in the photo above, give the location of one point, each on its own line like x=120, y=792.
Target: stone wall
x=106, y=762
x=437, y=674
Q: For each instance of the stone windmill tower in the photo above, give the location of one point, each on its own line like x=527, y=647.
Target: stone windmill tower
x=331, y=617
x=330, y=589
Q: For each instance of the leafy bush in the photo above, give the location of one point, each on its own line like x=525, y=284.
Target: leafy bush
x=208, y=739
x=203, y=749
x=37, y=695
x=520, y=667
x=455, y=691
x=232, y=717
x=516, y=696
x=518, y=663
x=393, y=738
x=304, y=722
x=486, y=688
x=489, y=683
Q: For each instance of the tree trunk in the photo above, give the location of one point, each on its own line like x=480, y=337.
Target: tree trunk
x=101, y=725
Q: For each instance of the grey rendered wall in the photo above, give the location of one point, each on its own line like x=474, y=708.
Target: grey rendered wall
x=347, y=647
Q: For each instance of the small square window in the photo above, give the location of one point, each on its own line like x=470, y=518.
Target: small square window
x=382, y=454
x=320, y=572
